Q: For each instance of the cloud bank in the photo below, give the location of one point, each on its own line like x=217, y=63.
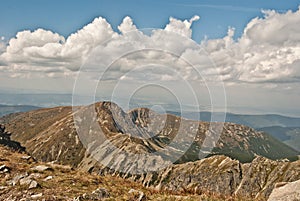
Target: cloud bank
x=267, y=51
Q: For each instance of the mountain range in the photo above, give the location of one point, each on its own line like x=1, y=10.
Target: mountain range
x=143, y=146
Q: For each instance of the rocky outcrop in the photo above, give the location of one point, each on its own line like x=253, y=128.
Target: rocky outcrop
x=6, y=141
x=286, y=192
x=217, y=174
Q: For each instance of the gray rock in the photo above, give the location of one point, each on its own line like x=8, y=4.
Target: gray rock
x=26, y=157
x=35, y=175
x=33, y=184
x=37, y=195
x=25, y=181
x=100, y=193
x=17, y=178
x=48, y=178
x=41, y=168
x=287, y=192
x=138, y=195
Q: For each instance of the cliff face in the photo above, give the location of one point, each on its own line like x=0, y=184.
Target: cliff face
x=142, y=145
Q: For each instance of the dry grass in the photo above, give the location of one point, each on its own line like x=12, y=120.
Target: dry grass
x=68, y=183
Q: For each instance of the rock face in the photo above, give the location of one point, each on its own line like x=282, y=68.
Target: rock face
x=222, y=175
x=142, y=145
x=6, y=141
x=288, y=192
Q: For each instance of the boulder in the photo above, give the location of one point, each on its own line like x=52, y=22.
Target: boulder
x=33, y=184
x=289, y=191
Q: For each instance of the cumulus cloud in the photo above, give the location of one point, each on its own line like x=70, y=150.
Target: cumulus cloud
x=127, y=25
x=181, y=27
x=267, y=51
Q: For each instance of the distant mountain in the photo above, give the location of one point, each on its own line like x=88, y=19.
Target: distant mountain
x=41, y=100
x=284, y=129
x=288, y=135
x=8, y=109
x=254, y=121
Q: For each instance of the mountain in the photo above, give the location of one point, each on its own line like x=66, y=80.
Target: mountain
x=8, y=109
x=254, y=121
x=43, y=131
x=288, y=135
x=141, y=145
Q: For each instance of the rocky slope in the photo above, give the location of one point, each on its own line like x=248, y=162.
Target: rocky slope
x=141, y=145
x=22, y=178
x=217, y=174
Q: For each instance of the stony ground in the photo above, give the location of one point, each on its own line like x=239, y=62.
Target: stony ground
x=23, y=178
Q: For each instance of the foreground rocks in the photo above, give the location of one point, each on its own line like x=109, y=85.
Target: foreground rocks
x=98, y=194
x=288, y=192
x=217, y=175
x=29, y=180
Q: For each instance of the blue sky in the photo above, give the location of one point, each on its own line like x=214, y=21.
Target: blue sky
x=66, y=17
x=260, y=71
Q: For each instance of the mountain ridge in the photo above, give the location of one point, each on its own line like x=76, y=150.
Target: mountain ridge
x=131, y=140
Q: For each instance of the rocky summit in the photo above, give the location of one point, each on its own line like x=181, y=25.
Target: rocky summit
x=163, y=152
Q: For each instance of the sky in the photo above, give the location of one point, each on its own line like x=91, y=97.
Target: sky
x=239, y=56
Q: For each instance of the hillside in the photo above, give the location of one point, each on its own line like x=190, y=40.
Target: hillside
x=288, y=135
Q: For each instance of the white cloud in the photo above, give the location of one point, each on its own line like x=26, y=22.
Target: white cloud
x=127, y=25
x=268, y=50
x=181, y=27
